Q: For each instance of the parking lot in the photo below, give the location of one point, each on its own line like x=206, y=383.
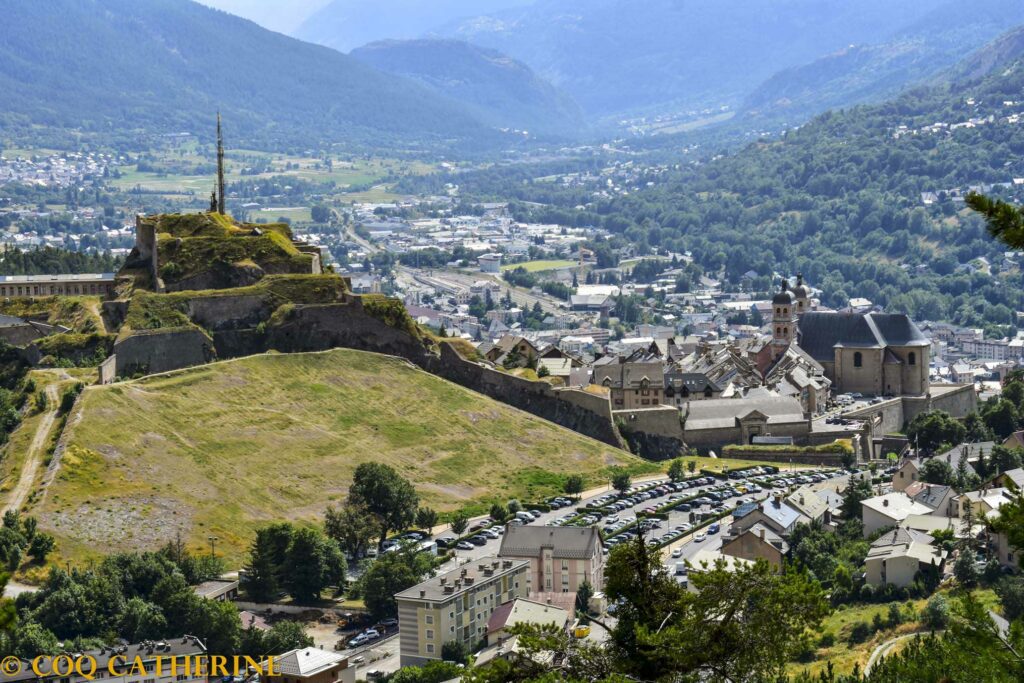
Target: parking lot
x=616, y=513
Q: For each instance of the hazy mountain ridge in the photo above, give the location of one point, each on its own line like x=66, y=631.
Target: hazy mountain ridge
x=919, y=53
x=348, y=24
x=502, y=91
x=169, y=65
x=614, y=56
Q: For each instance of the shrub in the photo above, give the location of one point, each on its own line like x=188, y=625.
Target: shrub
x=859, y=633
x=936, y=613
x=827, y=639
x=877, y=623
x=895, y=615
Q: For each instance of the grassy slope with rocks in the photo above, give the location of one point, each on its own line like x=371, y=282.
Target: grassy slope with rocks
x=222, y=449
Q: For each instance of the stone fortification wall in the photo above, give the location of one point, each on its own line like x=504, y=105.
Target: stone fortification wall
x=795, y=457
x=653, y=433
x=149, y=352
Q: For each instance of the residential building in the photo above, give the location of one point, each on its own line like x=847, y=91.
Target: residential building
x=560, y=558
x=889, y=510
x=311, y=665
x=634, y=381
x=941, y=499
x=775, y=514
x=524, y=611
x=455, y=606
x=758, y=542
x=897, y=556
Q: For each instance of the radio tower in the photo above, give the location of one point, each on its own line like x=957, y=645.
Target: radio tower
x=220, y=168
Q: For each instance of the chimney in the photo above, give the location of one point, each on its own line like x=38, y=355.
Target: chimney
x=885, y=502
x=423, y=593
x=762, y=534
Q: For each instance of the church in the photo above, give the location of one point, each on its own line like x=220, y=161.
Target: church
x=876, y=354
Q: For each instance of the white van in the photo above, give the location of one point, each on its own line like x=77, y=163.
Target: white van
x=524, y=516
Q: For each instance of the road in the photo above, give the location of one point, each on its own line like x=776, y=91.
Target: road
x=36, y=452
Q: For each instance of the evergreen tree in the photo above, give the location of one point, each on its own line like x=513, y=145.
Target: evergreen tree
x=259, y=582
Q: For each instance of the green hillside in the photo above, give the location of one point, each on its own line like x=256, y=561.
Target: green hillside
x=224, y=448
x=169, y=65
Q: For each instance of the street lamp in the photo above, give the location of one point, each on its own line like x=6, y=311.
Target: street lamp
x=213, y=543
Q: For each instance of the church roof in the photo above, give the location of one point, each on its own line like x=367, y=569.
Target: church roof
x=822, y=332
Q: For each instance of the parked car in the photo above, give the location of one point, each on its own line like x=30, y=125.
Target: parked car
x=479, y=540
x=464, y=545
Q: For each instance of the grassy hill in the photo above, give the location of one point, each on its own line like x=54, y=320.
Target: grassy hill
x=224, y=448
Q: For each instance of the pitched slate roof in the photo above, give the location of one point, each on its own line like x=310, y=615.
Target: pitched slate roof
x=565, y=542
x=722, y=413
x=821, y=332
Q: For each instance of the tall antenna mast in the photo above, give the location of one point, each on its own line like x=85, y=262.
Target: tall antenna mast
x=220, y=168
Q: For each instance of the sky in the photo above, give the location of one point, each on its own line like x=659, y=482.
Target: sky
x=283, y=16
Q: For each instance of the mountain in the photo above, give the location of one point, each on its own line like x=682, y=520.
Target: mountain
x=347, y=24
x=614, y=56
x=864, y=73
x=272, y=14
x=169, y=65
x=500, y=90
x=1001, y=53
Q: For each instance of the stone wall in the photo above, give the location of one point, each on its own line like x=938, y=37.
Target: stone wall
x=653, y=433
x=149, y=352
x=795, y=456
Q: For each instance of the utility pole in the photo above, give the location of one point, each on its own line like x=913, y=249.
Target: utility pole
x=220, y=167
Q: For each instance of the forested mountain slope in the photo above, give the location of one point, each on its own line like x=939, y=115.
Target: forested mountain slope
x=842, y=199
x=169, y=65
x=876, y=71
x=500, y=90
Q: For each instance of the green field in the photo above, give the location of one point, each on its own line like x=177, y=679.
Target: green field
x=540, y=266
x=224, y=448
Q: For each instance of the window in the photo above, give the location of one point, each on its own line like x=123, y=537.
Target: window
x=429, y=619
x=565, y=565
x=912, y=358
x=858, y=360
x=430, y=634
x=430, y=648
x=778, y=331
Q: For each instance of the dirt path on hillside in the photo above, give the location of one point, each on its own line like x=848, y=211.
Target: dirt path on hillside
x=36, y=452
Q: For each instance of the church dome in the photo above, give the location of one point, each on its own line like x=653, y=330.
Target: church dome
x=801, y=291
x=784, y=296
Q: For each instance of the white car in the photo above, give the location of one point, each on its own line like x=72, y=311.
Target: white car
x=700, y=536
x=678, y=552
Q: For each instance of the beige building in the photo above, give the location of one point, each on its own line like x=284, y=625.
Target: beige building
x=890, y=510
x=311, y=665
x=879, y=354
x=22, y=286
x=456, y=606
x=524, y=611
x=561, y=559
x=896, y=557
x=757, y=543
x=635, y=381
